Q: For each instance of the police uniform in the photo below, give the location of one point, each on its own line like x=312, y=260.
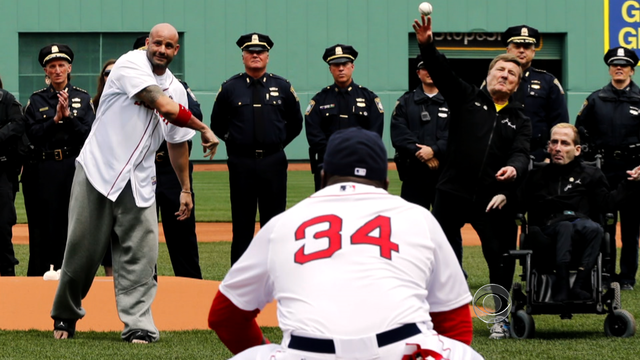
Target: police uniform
x=47, y=177
x=11, y=132
x=257, y=119
x=335, y=108
x=610, y=121
x=419, y=119
x=540, y=92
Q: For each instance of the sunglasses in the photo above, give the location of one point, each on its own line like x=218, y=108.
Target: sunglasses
x=106, y=73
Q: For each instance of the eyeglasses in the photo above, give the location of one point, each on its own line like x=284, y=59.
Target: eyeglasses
x=106, y=73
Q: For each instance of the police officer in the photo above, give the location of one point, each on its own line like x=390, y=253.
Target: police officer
x=342, y=105
x=539, y=91
x=257, y=114
x=180, y=235
x=11, y=132
x=419, y=132
x=59, y=118
x=610, y=119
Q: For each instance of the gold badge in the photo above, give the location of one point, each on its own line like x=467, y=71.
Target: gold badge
x=535, y=86
x=361, y=104
x=273, y=93
x=54, y=49
x=524, y=32
x=338, y=50
x=76, y=105
x=44, y=108
x=254, y=38
x=76, y=100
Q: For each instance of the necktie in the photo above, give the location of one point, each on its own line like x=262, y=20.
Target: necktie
x=258, y=119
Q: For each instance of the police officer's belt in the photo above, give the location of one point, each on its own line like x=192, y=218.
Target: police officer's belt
x=624, y=152
x=326, y=346
x=250, y=152
x=57, y=154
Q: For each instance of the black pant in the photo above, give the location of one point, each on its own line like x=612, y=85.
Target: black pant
x=419, y=187
x=572, y=238
x=496, y=229
x=255, y=184
x=629, y=231
x=47, y=187
x=7, y=220
x=180, y=235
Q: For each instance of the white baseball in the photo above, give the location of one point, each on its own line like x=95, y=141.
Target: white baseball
x=425, y=8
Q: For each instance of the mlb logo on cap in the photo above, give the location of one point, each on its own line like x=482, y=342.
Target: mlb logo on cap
x=360, y=172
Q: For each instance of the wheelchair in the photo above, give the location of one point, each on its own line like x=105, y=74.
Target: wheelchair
x=533, y=294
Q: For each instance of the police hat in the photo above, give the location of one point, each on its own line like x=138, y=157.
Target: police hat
x=621, y=56
x=339, y=53
x=356, y=152
x=420, y=63
x=521, y=34
x=255, y=42
x=140, y=42
x=55, y=52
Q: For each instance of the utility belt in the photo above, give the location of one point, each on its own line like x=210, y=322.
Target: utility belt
x=56, y=155
x=625, y=152
x=250, y=152
x=327, y=346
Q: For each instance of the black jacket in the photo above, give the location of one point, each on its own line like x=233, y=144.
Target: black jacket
x=481, y=140
x=551, y=190
x=232, y=117
x=333, y=109
x=611, y=119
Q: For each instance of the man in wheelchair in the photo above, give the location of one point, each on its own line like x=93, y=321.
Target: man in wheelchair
x=562, y=198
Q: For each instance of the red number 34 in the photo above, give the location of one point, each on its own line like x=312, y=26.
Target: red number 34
x=333, y=233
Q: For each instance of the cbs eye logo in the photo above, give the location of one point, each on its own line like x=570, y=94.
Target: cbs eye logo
x=492, y=303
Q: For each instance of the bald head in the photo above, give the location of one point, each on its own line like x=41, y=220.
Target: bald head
x=162, y=46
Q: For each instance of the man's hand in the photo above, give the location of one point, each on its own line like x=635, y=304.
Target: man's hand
x=507, y=173
x=62, y=110
x=433, y=163
x=423, y=30
x=634, y=175
x=186, y=204
x=498, y=201
x=425, y=153
x=210, y=143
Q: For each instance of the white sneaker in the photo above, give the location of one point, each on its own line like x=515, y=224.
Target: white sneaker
x=499, y=330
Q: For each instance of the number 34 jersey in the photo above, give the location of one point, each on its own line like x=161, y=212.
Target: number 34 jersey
x=349, y=261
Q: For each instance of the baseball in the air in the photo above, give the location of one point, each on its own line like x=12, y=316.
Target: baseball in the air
x=425, y=8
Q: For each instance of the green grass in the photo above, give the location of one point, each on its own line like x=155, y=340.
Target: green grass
x=580, y=338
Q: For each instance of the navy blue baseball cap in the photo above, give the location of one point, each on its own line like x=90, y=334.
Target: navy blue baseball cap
x=356, y=152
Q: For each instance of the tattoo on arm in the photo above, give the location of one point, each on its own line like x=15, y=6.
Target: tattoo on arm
x=150, y=95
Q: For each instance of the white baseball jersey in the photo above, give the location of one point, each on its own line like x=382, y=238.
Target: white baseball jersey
x=350, y=261
x=126, y=133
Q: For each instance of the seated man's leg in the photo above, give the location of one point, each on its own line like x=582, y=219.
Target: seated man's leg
x=562, y=232
x=590, y=237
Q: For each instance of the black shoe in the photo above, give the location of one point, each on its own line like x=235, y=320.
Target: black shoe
x=139, y=336
x=626, y=287
x=65, y=325
x=561, y=285
x=576, y=290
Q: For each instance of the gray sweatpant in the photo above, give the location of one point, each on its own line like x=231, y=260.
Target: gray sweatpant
x=94, y=221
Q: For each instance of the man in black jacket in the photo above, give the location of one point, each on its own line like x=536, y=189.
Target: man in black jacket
x=561, y=199
x=11, y=132
x=488, y=150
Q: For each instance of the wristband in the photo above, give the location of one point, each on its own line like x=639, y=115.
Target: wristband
x=183, y=117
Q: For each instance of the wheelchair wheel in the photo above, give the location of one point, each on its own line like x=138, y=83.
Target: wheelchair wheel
x=522, y=325
x=620, y=324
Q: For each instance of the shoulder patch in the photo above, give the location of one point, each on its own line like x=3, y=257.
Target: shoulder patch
x=555, y=81
x=218, y=93
x=379, y=105
x=193, y=96
x=584, y=104
x=293, y=91
x=395, y=106
x=79, y=89
x=309, y=107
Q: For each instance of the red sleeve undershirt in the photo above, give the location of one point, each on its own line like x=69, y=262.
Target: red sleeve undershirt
x=236, y=328
x=454, y=324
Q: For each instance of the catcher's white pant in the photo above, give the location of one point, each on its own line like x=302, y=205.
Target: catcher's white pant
x=367, y=349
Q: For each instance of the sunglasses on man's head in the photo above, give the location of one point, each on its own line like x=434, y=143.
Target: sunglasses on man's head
x=106, y=73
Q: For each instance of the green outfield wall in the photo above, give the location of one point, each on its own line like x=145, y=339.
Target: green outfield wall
x=573, y=35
